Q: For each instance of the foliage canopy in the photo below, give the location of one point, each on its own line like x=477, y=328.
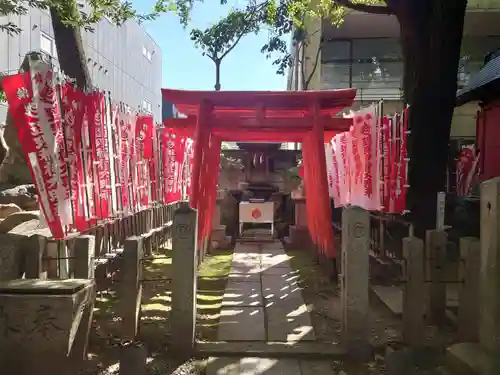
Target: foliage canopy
x=284, y=20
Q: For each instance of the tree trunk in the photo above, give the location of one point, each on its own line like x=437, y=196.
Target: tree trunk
x=431, y=36
x=217, y=75
x=70, y=50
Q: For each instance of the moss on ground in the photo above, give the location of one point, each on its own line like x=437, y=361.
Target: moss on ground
x=155, y=328
x=212, y=281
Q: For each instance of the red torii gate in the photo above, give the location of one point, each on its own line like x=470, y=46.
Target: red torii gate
x=262, y=116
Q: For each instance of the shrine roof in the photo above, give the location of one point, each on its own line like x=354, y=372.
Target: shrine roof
x=277, y=104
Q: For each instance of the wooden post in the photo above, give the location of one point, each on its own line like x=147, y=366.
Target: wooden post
x=468, y=302
x=414, y=292
x=131, y=287
x=354, y=281
x=489, y=313
x=436, y=260
x=185, y=262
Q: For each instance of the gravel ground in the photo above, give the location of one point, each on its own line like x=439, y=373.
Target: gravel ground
x=323, y=300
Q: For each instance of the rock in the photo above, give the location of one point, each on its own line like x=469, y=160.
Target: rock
x=8, y=209
x=31, y=227
x=14, y=220
x=23, y=196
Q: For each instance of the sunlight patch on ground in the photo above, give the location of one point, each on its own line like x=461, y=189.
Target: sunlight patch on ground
x=155, y=307
x=212, y=280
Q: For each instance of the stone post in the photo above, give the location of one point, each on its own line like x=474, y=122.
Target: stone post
x=468, y=300
x=133, y=358
x=436, y=260
x=131, y=287
x=489, y=313
x=414, y=292
x=33, y=248
x=84, y=250
x=354, y=281
x=185, y=262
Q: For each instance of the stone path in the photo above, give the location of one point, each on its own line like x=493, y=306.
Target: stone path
x=263, y=302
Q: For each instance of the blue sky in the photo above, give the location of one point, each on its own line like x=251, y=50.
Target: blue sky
x=184, y=67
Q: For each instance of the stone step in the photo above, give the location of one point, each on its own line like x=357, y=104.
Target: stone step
x=444, y=371
x=465, y=359
x=252, y=366
x=275, y=349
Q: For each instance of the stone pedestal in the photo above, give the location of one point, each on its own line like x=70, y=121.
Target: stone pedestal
x=218, y=237
x=299, y=237
x=44, y=325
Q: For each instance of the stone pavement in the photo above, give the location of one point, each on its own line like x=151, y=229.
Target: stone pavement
x=263, y=302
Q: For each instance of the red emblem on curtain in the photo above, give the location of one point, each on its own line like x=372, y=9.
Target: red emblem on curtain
x=256, y=213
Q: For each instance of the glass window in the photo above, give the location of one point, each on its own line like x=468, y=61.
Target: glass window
x=147, y=106
x=380, y=48
x=377, y=73
x=467, y=68
x=335, y=76
x=47, y=44
x=147, y=53
x=378, y=80
x=336, y=50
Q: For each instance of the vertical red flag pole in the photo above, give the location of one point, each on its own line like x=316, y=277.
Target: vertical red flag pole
x=203, y=113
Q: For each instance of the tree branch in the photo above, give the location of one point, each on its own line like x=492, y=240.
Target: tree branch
x=373, y=9
x=308, y=81
x=245, y=30
x=242, y=34
x=302, y=58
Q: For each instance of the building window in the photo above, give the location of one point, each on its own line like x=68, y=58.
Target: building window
x=47, y=44
x=376, y=80
x=336, y=50
x=335, y=76
x=373, y=66
x=147, y=53
x=147, y=106
x=382, y=49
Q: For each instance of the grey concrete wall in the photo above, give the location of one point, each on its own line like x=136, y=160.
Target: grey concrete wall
x=114, y=54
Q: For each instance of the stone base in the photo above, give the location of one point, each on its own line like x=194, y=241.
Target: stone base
x=218, y=239
x=466, y=359
x=47, y=322
x=299, y=237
